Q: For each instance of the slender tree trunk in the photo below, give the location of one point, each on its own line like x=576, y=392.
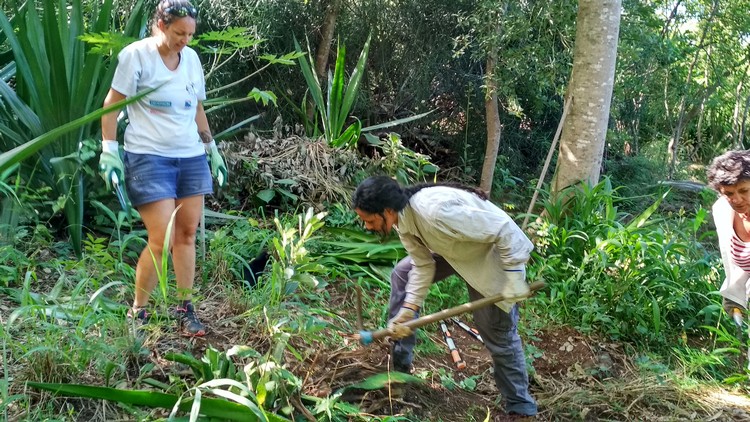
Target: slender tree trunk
x=741, y=137
x=702, y=107
x=636, y=124
x=736, y=114
x=671, y=18
x=494, y=128
x=682, y=120
x=324, y=47
x=738, y=100
x=492, y=112
x=591, y=83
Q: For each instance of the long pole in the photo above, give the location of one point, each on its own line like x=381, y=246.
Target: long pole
x=367, y=337
x=546, y=162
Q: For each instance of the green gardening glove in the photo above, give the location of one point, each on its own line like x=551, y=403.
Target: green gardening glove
x=218, y=168
x=110, y=162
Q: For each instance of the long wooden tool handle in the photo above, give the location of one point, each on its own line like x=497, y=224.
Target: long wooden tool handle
x=369, y=337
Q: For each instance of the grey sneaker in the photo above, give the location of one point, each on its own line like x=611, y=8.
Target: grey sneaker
x=137, y=319
x=190, y=325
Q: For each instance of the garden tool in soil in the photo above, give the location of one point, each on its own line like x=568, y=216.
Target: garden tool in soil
x=367, y=337
x=455, y=355
x=472, y=331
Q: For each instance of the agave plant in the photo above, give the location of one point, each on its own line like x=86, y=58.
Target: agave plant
x=341, y=96
x=57, y=82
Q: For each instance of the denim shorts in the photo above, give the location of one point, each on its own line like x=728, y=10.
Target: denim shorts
x=150, y=178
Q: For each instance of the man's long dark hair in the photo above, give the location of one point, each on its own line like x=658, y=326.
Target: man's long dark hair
x=378, y=193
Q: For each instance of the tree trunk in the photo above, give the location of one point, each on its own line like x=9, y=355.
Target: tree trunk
x=682, y=119
x=494, y=129
x=492, y=110
x=738, y=103
x=591, y=82
x=741, y=137
x=324, y=48
x=669, y=20
x=702, y=108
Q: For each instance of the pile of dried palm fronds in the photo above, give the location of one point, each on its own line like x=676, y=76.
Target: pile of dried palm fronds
x=307, y=169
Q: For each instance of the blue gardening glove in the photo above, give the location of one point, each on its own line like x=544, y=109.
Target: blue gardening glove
x=405, y=314
x=110, y=162
x=218, y=168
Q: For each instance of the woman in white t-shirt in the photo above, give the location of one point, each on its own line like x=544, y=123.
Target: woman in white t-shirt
x=167, y=141
x=729, y=174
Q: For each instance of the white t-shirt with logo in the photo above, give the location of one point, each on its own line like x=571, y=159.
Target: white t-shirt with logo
x=163, y=122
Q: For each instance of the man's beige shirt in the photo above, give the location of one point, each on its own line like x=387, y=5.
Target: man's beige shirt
x=478, y=239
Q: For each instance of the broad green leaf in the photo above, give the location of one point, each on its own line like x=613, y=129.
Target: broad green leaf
x=352, y=89
x=236, y=127
x=287, y=59
x=262, y=96
x=394, y=123
x=214, y=408
x=382, y=380
x=645, y=215
x=266, y=195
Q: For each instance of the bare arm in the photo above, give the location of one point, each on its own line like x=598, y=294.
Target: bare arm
x=109, y=120
x=202, y=121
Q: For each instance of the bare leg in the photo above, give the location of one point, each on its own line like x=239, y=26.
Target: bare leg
x=183, y=247
x=155, y=216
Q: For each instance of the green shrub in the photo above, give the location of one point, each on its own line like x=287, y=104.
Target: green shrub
x=642, y=279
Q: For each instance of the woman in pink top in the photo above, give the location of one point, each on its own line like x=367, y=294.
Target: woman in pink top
x=729, y=174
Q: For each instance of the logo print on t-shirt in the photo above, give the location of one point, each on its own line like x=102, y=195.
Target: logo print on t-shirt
x=157, y=103
x=188, y=104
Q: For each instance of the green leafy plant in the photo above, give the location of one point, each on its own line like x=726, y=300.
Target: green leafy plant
x=211, y=407
x=293, y=265
x=639, y=278
x=239, y=393
x=161, y=263
x=225, y=48
x=58, y=86
x=334, y=110
x=397, y=160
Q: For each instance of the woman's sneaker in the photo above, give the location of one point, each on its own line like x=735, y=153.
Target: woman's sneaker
x=137, y=319
x=190, y=325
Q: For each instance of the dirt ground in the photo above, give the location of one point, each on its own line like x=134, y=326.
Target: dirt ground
x=571, y=378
